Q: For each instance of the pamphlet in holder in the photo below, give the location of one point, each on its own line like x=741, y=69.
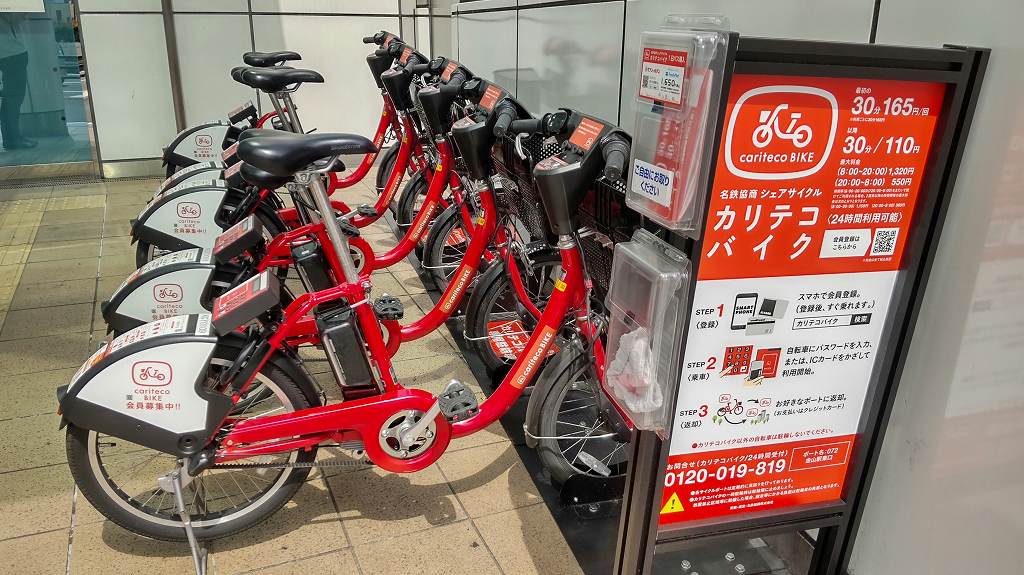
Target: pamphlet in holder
x=681, y=70
x=647, y=301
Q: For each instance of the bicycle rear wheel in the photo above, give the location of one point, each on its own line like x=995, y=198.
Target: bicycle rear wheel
x=119, y=477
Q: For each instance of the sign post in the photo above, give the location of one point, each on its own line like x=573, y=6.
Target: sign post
x=834, y=164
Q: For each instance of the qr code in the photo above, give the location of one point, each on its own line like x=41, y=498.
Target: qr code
x=885, y=241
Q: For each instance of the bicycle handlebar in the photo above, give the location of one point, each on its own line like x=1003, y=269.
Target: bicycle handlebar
x=530, y=126
x=550, y=124
x=615, y=150
x=506, y=114
x=370, y=39
x=419, y=69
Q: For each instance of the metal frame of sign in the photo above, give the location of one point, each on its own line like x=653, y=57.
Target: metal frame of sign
x=962, y=69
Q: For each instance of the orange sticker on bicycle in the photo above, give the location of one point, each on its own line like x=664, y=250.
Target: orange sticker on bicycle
x=533, y=358
x=586, y=134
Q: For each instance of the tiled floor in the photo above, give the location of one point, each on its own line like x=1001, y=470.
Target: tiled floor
x=62, y=249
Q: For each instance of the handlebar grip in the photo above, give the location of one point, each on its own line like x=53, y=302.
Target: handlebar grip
x=418, y=69
x=369, y=40
x=616, y=153
x=381, y=52
x=451, y=89
x=531, y=126
x=457, y=78
x=505, y=117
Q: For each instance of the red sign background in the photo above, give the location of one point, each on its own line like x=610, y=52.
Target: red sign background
x=764, y=202
x=802, y=161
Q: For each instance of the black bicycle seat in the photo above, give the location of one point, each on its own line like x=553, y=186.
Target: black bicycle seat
x=286, y=153
x=276, y=79
x=264, y=59
x=261, y=179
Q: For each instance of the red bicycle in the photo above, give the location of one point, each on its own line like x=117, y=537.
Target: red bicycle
x=245, y=422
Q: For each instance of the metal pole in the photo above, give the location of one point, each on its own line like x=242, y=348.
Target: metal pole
x=173, y=64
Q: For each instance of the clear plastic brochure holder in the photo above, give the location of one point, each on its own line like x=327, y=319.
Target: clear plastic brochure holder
x=647, y=303
x=681, y=68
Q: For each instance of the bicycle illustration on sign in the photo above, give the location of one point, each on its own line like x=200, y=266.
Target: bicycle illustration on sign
x=769, y=128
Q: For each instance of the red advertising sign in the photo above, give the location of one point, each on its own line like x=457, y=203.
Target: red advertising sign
x=817, y=175
x=813, y=196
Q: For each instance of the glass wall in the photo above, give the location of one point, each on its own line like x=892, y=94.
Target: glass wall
x=43, y=113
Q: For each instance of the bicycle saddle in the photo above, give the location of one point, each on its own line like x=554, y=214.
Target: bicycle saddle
x=261, y=179
x=264, y=59
x=277, y=79
x=286, y=153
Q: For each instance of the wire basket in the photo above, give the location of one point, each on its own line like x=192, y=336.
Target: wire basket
x=519, y=198
x=604, y=212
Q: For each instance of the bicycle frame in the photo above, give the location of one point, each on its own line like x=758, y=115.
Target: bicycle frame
x=410, y=157
x=362, y=419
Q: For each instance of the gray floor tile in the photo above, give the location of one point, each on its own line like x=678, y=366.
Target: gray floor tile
x=65, y=250
x=65, y=232
x=54, y=293
x=40, y=321
x=49, y=272
x=43, y=353
x=75, y=216
x=32, y=393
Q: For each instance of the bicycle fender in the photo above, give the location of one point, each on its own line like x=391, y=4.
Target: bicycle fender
x=569, y=352
x=202, y=143
x=194, y=174
x=164, y=363
x=177, y=283
x=182, y=217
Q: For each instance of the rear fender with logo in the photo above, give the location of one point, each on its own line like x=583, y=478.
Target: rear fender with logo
x=183, y=217
x=149, y=386
x=178, y=283
x=198, y=144
x=194, y=174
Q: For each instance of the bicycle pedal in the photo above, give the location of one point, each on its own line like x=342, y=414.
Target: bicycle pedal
x=457, y=402
x=348, y=228
x=366, y=211
x=388, y=307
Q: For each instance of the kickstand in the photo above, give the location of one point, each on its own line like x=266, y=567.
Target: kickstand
x=172, y=482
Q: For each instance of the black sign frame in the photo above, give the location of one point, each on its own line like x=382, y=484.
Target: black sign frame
x=962, y=70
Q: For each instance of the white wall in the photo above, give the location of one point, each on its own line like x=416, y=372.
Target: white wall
x=577, y=55
x=130, y=80
x=947, y=493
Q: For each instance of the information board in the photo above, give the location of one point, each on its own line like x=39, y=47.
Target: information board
x=813, y=197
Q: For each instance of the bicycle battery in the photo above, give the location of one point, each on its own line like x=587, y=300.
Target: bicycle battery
x=346, y=351
x=312, y=267
x=238, y=238
x=245, y=302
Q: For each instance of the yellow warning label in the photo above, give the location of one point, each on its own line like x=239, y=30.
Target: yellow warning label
x=480, y=221
x=560, y=285
x=674, y=505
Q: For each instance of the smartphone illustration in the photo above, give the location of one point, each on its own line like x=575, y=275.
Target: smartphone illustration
x=743, y=309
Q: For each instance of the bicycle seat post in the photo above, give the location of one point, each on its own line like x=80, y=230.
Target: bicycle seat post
x=293, y=113
x=275, y=99
x=338, y=239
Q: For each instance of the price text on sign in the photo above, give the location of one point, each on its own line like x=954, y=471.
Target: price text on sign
x=813, y=198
